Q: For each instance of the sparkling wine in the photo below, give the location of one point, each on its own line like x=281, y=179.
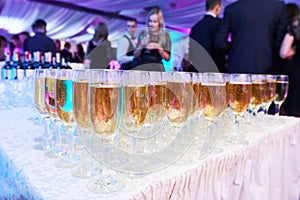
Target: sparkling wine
x=64, y=100
x=258, y=93
x=179, y=101
x=281, y=91
x=50, y=96
x=80, y=103
x=239, y=96
x=213, y=98
x=155, y=110
x=270, y=91
x=105, y=108
x=40, y=96
x=137, y=103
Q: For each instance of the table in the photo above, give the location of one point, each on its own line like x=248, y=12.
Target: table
x=267, y=168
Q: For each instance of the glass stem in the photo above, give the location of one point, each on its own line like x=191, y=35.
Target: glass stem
x=71, y=133
x=277, y=109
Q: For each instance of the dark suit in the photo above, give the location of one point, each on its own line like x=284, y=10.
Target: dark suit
x=39, y=42
x=204, y=33
x=257, y=29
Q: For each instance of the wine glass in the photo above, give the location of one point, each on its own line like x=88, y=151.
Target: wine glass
x=105, y=94
x=81, y=78
x=64, y=107
x=282, y=85
x=180, y=97
x=270, y=92
x=39, y=100
x=239, y=93
x=213, y=99
x=258, y=92
x=50, y=96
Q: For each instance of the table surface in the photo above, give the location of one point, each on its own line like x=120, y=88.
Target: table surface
x=258, y=170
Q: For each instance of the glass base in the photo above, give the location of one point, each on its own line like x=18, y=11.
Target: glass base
x=57, y=152
x=68, y=161
x=105, y=184
x=87, y=170
x=44, y=146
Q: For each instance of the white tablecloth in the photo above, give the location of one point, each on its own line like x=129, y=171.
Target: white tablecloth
x=267, y=168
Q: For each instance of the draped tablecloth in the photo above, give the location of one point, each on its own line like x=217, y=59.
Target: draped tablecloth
x=267, y=168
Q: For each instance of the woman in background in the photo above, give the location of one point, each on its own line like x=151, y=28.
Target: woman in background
x=290, y=47
x=79, y=54
x=3, y=46
x=154, y=44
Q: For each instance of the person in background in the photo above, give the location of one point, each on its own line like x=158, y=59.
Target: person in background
x=126, y=45
x=57, y=45
x=290, y=47
x=99, y=50
x=39, y=42
x=79, y=54
x=204, y=33
x=256, y=28
x=65, y=53
x=154, y=44
x=23, y=36
x=16, y=45
x=3, y=47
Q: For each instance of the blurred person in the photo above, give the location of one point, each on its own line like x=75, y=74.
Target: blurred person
x=3, y=47
x=23, y=37
x=290, y=47
x=204, y=33
x=16, y=45
x=57, y=45
x=79, y=54
x=65, y=53
x=99, y=50
x=256, y=28
x=154, y=44
x=126, y=45
x=39, y=42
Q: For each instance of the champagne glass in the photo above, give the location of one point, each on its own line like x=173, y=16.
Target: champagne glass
x=270, y=91
x=258, y=92
x=50, y=85
x=81, y=78
x=64, y=106
x=282, y=86
x=105, y=113
x=179, y=99
x=39, y=100
x=213, y=99
x=239, y=93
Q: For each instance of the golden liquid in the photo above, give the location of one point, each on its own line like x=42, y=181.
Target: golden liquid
x=137, y=103
x=239, y=96
x=281, y=91
x=213, y=97
x=179, y=99
x=227, y=92
x=258, y=93
x=104, y=108
x=49, y=97
x=80, y=104
x=39, y=88
x=64, y=100
x=155, y=110
x=270, y=91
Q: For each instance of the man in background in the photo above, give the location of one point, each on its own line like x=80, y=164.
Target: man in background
x=256, y=28
x=39, y=42
x=66, y=54
x=126, y=45
x=204, y=33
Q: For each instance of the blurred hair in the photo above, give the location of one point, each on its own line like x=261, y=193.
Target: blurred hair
x=293, y=12
x=101, y=30
x=39, y=24
x=210, y=4
x=67, y=45
x=157, y=11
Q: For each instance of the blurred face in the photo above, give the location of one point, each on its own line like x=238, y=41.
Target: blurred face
x=131, y=27
x=153, y=23
x=22, y=37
